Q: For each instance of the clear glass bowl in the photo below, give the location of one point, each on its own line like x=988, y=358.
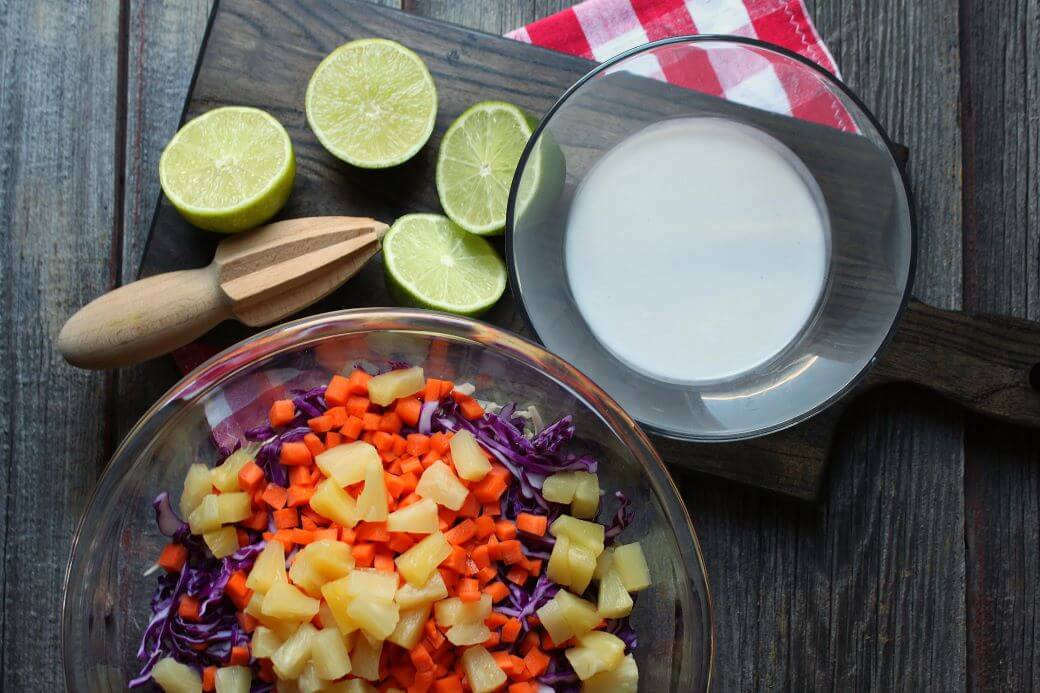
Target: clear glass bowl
x=106, y=595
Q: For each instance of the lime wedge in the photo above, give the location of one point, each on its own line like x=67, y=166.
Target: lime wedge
x=476, y=162
x=229, y=169
x=372, y=103
x=432, y=263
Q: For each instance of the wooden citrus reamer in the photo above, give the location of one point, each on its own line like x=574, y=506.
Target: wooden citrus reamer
x=257, y=278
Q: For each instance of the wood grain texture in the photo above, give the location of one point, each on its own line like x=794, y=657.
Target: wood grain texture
x=57, y=147
x=1001, y=59
x=496, y=17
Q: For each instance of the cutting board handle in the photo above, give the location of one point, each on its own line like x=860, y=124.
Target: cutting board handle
x=989, y=364
x=144, y=319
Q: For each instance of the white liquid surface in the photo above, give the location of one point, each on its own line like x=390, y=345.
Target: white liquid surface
x=696, y=249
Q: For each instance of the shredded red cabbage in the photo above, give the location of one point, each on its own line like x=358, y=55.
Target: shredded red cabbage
x=622, y=518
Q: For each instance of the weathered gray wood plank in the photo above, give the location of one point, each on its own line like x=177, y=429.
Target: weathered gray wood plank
x=58, y=114
x=496, y=17
x=1001, y=55
x=838, y=596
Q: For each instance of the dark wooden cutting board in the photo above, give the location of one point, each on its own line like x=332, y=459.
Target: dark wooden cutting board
x=262, y=52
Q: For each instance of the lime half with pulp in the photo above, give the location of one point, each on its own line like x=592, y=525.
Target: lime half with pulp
x=229, y=169
x=372, y=103
x=432, y=263
x=476, y=163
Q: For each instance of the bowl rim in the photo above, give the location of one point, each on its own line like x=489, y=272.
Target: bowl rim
x=510, y=250
x=294, y=334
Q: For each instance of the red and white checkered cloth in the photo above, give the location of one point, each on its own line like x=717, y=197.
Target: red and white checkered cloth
x=599, y=30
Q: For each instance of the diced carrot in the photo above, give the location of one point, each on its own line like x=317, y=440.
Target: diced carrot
x=301, y=536
x=487, y=574
x=284, y=536
x=364, y=554
x=329, y=533
x=306, y=511
x=173, y=557
x=236, y=589
x=432, y=391
x=382, y=441
x=299, y=476
x=352, y=428
x=461, y=533
x=308, y=524
x=446, y=387
x=250, y=477
x=470, y=507
x=492, y=509
x=390, y=423
x=295, y=453
x=239, y=656
x=536, y=661
x=497, y=590
x=509, y=552
x=320, y=424
x=456, y=560
x=384, y=562
x=522, y=687
x=484, y=526
x=493, y=640
x=188, y=608
x=282, y=412
x=517, y=575
x=505, y=530
x=403, y=674
x=400, y=542
x=421, y=658
x=433, y=635
x=314, y=444
x=532, y=524
x=440, y=443
x=409, y=499
x=248, y=623
x=400, y=445
x=370, y=422
x=418, y=444
x=357, y=406
x=347, y=535
x=372, y=531
x=468, y=590
x=408, y=410
x=429, y=458
x=338, y=416
x=411, y=465
x=533, y=567
x=448, y=684
x=242, y=537
x=337, y=391
x=495, y=620
x=266, y=673
x=529, y=643
x=503, y=661
x=511, y=630
x=471, y=409
x=209, y=678
x=359, y=382
x=300, y=495
x=481, y=556
x=286, y=518
x=423, y=681
x=275, y=496
x=450, y=578
x=409, y=481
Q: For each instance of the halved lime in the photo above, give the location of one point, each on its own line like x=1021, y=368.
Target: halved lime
x=228, y=170
x=372, y=103
x=476, y=162
x=432, y=263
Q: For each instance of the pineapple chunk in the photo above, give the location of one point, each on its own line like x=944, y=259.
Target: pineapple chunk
x=409, y=597
x=225, y=477
x=286, y=686
x=596, y=651
x=174, y=677
x=586, y=496
x=333, y=503
x=376, y=618
x=558, y=569
x=234, y=679
x=372, y=584
x=384, y=389
x=417, y=518
x=603, y=564
x=290, y=659
x=409, y=630
x=268, y=568
x=347, y=463
x=469, y=460
x=329, y=654
x=614, y=600
x=580, y=614
x=234, y=507
x=631, y=567
x=286, y=602
x=551, y=616
x=264, y=643
x=222, y=542
x=255, y=608
x=320, y=562
x=205, y=517
x=364, y=658
x=371, y=504
x=418, y=563
x=624, y=678
x=454, y=611
x=482, y=671
x=196, y=487
x=310, y=682
x=439, y=483
x=338, y=599
x=351, y=686
x=559, y=488
x=582, y=565
x=581, y=532
x=468, y=634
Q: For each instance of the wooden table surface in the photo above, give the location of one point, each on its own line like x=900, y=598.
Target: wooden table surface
x=919, y=568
